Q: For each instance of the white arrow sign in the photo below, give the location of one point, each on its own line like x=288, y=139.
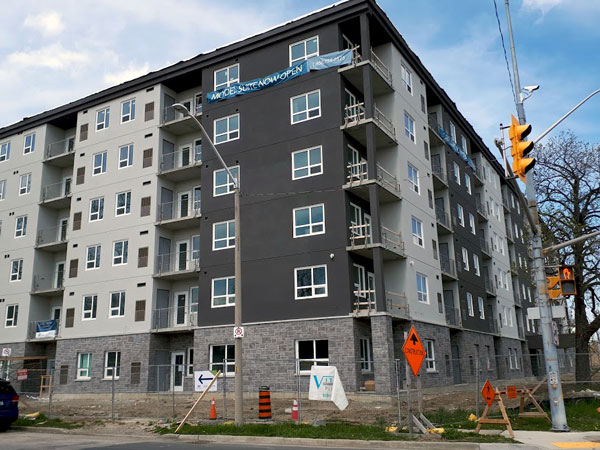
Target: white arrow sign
x=202, y=378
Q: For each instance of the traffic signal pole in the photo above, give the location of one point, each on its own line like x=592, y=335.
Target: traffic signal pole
x=555, y=396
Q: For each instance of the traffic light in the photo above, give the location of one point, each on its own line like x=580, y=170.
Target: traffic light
x=520, y=148
x=567, y=280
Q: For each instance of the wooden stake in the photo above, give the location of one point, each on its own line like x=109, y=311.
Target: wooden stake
x=503, y=421
x=197, y=401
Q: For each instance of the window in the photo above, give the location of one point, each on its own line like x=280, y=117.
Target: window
x=481, y=309
x=312, y=353
x=21, y=226
x=422, y=288
x=465, y=258
x=29, y=143
x=16, y=270
x=306, y=106
x=310, y=282
x=194, y=298
x=96, y=209
x=429, y=356
x=190, y=362
x=4, y=151
x=456, y=172
x=510, y=317
x=227, y=76
x=220, y=354
x=472, y=223
x=223, y=292
x=84, y=366
x=112, y=365
x=99, y=160
x=309, y=221
x=468, y=183
x=476, y=265
x=126, y=156
x=453, y=132
x=93, y=257
x=222, y=182
x=303, y=50
x=227, y=129
x=366, y=355
x=127, y=110
x=12, y=314
x=460, y=214
x=102, y=119
x=470, y=309
x=413, y=178
x=25, y=184
x=407, y=78
x=120, y=250
x=2, y=189
x=123, y=203
x=463, y=143
x=409, y=127
x=196, y=247
x=417, y=232
x=117, y=304
x=307, y=163
x=90, y=305
x=504, y=316
x=224, y=235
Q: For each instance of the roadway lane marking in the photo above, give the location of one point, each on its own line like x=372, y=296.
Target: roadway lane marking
x=577, y=444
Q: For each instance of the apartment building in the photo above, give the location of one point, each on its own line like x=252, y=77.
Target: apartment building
x=369, y=204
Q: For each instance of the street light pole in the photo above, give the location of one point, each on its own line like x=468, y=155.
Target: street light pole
x=239, y=372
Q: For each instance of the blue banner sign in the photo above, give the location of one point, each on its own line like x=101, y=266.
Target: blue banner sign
x=459, y=151
x=314, y=63
x=46, y=328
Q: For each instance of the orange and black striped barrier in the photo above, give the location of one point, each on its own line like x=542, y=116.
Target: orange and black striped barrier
x=264, y=403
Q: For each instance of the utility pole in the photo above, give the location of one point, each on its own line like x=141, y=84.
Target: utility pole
x=555, y=395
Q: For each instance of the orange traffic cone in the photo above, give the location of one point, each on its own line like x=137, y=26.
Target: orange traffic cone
x=295, y=410
x=213, y=410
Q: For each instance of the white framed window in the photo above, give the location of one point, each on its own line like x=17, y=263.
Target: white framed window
x=305, y=106
x=190, y=362
x=422, y=295
x=504, y=316
x=84, y=366
x=4, y=151
x=102, y=118
x=309, y=220
x=25, y=184
x=409, y=127
x=222, y=182
x=125, y=156
x=310, y=282
x=29, y=143
x=481, y=308
x=452, y=132
x=359, y=281
x=366, y=355
x=510, y=317
x=496, y=242
x=123, y=203
x=227, y=76
x=112, y=365
x=429, y=355
x=99, y=163
x=314, y=352
x=12, y=315
x=21, y=226
x=2, y=190
x=16, y=269
x=93, y=257
x=120, y=252
x=117, y=304
x=407, y=78
x=472, y=223
x=224, y=235
x=516, y=353
x=476, y=265
x=417, y=232
x=300, y=51
x=468, y=183
x=90, y=307
x=413, y=177
x=456, y=172
x=460, y=214
x=223, y=355
x=223, y=292
x=463, y=143
x=96, y=209
x=465, y=258
x=470, y=308
x=128, y=110
x=196, y=247
x=307, y=162
x=226, y=129
x=194, y=299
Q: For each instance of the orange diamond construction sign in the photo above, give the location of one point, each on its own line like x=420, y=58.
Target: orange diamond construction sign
x=488, y=392
x=414, y=351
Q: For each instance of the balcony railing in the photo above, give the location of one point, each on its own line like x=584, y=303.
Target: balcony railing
x=178, y=210
x=361, y=236
x=358, y=172
x=489, y=286
x=439, y=173
x=481, y=209
x=509, y=234
x=521, y=332
x=378, y=64
x=180, y=159
x=364, y=300
x=61, y=147
x=493, y=326
x=485, y=247
x=170, y=113
x=53, y=235
x=44, y=329
x=383, y=121
x=353, y=114
x=47, y=282
x=170, y=263
x=173, y=317
x=55, y=191
x=505, y=203
x=443, y=217
x=397, y=304
x=448, y=266
x=453, y=317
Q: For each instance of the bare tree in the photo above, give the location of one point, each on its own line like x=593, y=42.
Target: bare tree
x=567, y=174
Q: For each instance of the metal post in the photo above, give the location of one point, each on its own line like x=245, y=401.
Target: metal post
x=518, y=101
x=50, y=390
x=225, y=389
x=112, y=401
x=477, y=387
x=239, y=364
x=173, y=367
x=398, y=393
x=409, y=422
x=298, y=393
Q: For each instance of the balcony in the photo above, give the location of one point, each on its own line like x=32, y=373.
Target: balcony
x=521, y=332
x=448, y=267
x=176, y=319
x=443, y=220
x=364, y=302
x=490, y=289
x=382, y=79
x=361, y=242
x=48, y=285
x=61, y=153
x=518, y=298
x=493, y=326
x=355, y=124
x=485, y=248
x=514, y=268
x=178, y=123
x=57, y=195
x=397, y=305
x=179, y=215
x=44, y=330
x=358, y=182
x=478, y=176
x=440, y=178
x=176, y=266
x=505, y=203
x=453, y=317
x=481, y=211
x=52, y=239
x=434, y=133
x=181, y=165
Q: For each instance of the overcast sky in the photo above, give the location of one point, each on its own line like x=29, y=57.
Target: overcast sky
x=55, y=52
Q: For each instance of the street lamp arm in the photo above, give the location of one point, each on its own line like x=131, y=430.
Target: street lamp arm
x=539, y=138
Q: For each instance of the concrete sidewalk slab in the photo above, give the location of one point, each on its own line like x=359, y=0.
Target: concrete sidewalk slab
x=555, y=441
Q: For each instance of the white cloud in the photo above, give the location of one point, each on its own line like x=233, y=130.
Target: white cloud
x=53, y=56
x=127, y=74
x=48, y=23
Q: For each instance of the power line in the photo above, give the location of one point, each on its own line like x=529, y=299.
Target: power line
x=512, y=88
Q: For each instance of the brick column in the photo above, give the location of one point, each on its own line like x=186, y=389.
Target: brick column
x=383, y=354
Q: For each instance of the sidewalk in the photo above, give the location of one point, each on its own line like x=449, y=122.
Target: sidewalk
x=549, y=439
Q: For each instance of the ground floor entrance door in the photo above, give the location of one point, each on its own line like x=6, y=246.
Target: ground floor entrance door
x=177, y=367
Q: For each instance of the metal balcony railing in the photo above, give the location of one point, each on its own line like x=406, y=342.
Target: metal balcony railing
x=448, y=266
x=48, y=329
x=55, y=191
x=480, y=208
x=353, y=114
x=175, y=316
x=383, y=121
x=180, y=159
x=361, y=236
x=397, y=304
x=521, y=332
x=358, y=172
x=378, y=64
x=178, y=210
x=47, y=282
x=439, y=173
x=170, y=113
x=489, y=286
x=61, y=147
x=493, y=326
x=53, y=235
x=176, y=262
x=388, y=180
x=485, y=247
x=443, y=217
x=453, y=316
